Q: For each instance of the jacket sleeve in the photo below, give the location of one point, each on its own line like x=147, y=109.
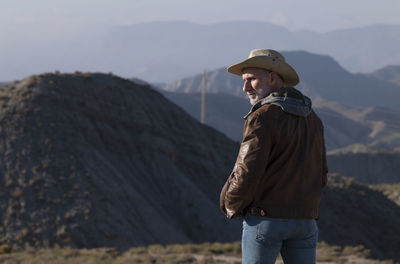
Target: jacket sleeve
x=324, y=163
x=222, y=197
x=250, y=165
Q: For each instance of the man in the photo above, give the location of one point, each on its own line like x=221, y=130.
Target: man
x=281, y=167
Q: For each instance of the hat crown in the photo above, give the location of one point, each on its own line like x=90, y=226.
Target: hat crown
x=267, y=52
x=270, y=60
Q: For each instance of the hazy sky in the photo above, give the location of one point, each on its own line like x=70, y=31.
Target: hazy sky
x=69, y=16
x=38, y=35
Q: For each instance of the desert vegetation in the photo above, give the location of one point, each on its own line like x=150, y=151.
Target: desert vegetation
x=172, y=254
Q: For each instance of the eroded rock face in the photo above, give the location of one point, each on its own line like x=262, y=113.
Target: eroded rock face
x=90, y=160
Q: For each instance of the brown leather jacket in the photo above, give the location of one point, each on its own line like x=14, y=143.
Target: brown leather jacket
x=281, y=166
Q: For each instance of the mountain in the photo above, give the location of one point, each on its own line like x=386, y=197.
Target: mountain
x=389, y=73
x=170, y=51
x=371, y=166
x=357, y=49
x=320, y=76
x=224, y=112
x=377, y=127
x=210, y=46
x=93, y=160
x=345, y=125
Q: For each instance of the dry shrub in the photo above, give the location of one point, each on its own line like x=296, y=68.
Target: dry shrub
x=5, y=248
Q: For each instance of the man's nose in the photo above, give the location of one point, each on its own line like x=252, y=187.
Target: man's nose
x=247, y=86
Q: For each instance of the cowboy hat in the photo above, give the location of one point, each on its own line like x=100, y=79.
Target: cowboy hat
x=270, y=60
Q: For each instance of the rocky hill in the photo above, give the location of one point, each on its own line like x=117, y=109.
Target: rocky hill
x=320, y=77
x=90, y=160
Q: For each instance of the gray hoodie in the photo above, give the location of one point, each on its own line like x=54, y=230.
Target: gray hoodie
x=289, y=99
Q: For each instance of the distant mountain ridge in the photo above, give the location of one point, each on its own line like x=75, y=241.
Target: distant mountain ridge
x=214, y=45
x=389, y=73
x=320, y=76
x=169, y=51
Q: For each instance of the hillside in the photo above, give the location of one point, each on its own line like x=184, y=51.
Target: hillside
x=347, y=210
x=224, y=112
x=91, y=160
x=356, y=214
x=376, y=127
x=389, y=73
x=372, y=167
x=320, y=77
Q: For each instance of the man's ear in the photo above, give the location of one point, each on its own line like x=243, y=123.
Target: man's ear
x=275, y=77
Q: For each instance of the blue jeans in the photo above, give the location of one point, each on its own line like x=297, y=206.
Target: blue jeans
x=263, y=238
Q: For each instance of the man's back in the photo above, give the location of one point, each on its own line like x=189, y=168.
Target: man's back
x=281, y=166
x=295, y=170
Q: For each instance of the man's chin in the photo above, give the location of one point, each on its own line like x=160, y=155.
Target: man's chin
x=253, y=101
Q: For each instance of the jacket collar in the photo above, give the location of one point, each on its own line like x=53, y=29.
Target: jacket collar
x=289, y=99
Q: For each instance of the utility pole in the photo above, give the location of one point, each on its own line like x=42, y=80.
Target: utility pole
x=203, y=98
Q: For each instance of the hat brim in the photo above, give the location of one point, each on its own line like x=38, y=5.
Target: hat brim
x=289, y=75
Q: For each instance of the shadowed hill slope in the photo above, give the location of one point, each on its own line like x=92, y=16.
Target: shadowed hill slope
x=356, y=214
x=93, y=160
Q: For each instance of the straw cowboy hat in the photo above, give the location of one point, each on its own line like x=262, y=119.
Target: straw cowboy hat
x=270, y=60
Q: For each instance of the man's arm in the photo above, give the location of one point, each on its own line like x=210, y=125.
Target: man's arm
x=250, y=165
x=222, y=196
x=324, y=164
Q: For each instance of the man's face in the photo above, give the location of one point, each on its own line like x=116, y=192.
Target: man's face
x=256, y=83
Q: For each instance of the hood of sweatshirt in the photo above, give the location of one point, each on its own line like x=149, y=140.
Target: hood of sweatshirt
x=289, y=99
